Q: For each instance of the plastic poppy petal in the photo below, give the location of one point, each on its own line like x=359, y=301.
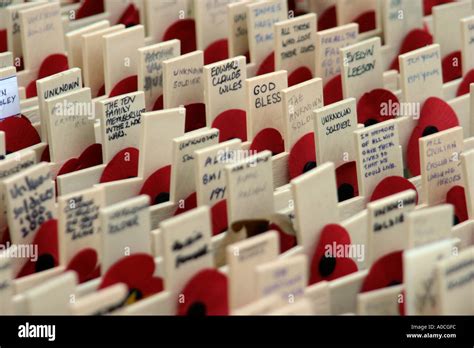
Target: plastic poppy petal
x=267, y=66
x=150, y=286
x=101, y=91
x=413, y=152
x=69, y=166
x=3, y=41
x=464, y=87
x=366, y=21
x=333, y=91
x=452, y=67
x=158, y=106
x=131, y=270
x=436, y=112
x=127, y=85
x=219, y=217
x=124, y=165
x=232, y=124
x=216, y=52
x=415, y=39
x=84, y=263
x=268, y=139
x=53, y=64
x=195, y=117
x=91, y=157
x=347, y=185
x=328, y=19
x=157, y=186
x=19, y=133
x=205, y=295
x=189, y=204
x=429, y=4
x=300, y=75
x=185, y=31
x=390, y=186
x=287, y=241
x=386, y=271
x=302, y=157
x=457, y=197
x=90, y=8
x=45, y=155
x=376, y=106
x=31, y=90
x=130, y=17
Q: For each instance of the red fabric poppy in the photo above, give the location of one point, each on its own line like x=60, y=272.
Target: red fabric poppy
x=366, y=21
x=287, y=241
x=329, y=266
x=429, y=4
x=185, y=31
x=3, y=40
x=232, y=124
x=90, y=8
x=46, y=238
x=101, y=91
x=85, y=264
x=328, y=19
x=189, y=204
x=464, y=87
x=302, y=156
x=195, y=117
x=157, y=186
x=452, y=66
x=123, y=166
x=332, y=91
x=219, y=217
x=371, y=106
x=136, y=271
x=415, y=39
x=53, y=64
x=457, y=197
x=205, y=295
x=436, y=116
x=392, y=185
x=216, y=52
x=158, y=106
x=6, y=237
x=127, y=85
x=130, y=17
x=45, y=156
x=346, y=178
x=268, y=139
x=69, y=166
x=298, y=76
x=386, y=271
x=267, y=66
x=90, y=157
x=19, y=133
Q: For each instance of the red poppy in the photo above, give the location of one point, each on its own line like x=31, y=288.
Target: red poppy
x=195, y=117
x=371, y=106
x=436, y=116
x=287, y=241
x=136, y=271
x=90, y=157
x=347, y=185
x=3, y=40
x=267, y=66
x=366, y=21
x=302, y=157
x=158, y=104
x=45, y=156
x=332, y=90
x=185, y=31
x=464, y=87
x=390, y=186
x=232, y=124
x=6, y=237
x=157, y=186
x=130, y=17
x=300, y=75
x=125, y=86
x=19, y=133
x=189, y=204
x=457, y=197
x=101, y=91
x=124, y=165
x=85, y=264
x=452, y=66
x=46, y=239
x=69, y=166
x=216, y=52
x=53, y=64
x=219, y=217
x=268, y=139
x=328, y=19
x=90, y=8
x=205, y=295
x=415, y=39
x=326, y=264
x=386, y=271
x=429, y=4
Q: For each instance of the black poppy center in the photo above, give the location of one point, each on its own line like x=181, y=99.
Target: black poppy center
x=197, y=309
x=345, y=192
x=309, y=166
x=430, y=130
x=370, y=122
x=134, y=295
x=456, y=220
x=162, y=197
x=394, y=283
x=44, y=262
x=327, y=265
